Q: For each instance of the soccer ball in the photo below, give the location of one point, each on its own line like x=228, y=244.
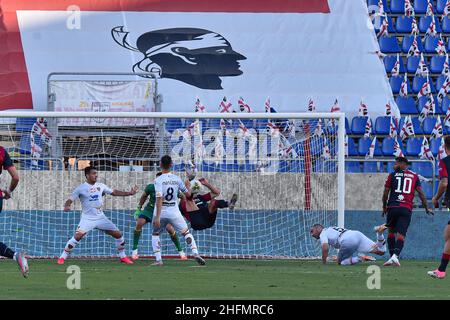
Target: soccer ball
x=196, y=186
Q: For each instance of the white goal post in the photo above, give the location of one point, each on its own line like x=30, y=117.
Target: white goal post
x=288, y=170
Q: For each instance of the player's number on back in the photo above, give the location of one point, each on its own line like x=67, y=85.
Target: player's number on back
x=407, y=185
x=169, y=195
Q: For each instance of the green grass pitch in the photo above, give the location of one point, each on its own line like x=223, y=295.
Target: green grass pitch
x=220, y=279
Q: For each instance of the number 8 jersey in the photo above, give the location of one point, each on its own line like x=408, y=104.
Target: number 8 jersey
x=402, y=185
x=167, y=186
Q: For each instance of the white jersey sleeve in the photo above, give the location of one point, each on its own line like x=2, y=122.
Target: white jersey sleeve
x=75, y=194
x=106, y=189
x=324, y=237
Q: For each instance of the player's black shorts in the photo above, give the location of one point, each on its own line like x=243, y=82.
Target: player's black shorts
x=398, y=219
x=202, y=219
x=147, y=218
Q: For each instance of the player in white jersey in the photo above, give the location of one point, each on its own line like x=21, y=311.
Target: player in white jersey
x=348, y=242
x=167, y=186
x=91, y=194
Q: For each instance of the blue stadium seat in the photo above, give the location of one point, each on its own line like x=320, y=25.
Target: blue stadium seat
x=412, y=63
x=446, y=24
x=371, y=167
x=390, y=166
x=439, y=82
x=416, y=125
x=413, y=146
x=389, y=44
x=423, y=101
x=352, y=151
x=352, y=167
x=434, y=146
x=387, y=146
x=25, y=124
x=420, y=6
x=428, y=125
x=382, y=125
x=407, y=42
x=396, y=83
x=389, y=62
x=425, y=22
x=430, y=44
x=445, y=104
x=374, y=4
x=377, y=23
x=397, y=6
x=348, y=130
x=423, y=168
x=404, y=24
x=406, y=105
x=359, y=125
x=418, y=82
x=440, y=6
x=427, y=189
x=364, y=145
x=437, y=64
x=172, y=124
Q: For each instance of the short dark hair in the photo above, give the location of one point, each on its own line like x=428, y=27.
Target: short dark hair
x=317, y=225
x=88, y=170
x=166, y=162
x=447, y=142
x=158, y=174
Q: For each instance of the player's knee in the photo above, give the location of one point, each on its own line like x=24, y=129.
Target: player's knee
x=400, y=237
x=185, y=232
x=79, y=235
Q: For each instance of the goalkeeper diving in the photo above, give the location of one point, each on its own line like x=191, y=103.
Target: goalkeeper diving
x=144, y=216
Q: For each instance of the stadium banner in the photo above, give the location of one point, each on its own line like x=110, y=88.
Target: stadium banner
x=321, y=49
x=73, y=96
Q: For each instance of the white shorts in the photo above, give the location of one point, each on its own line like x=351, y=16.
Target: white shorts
x=177, y=221
x=352, y=242
x=102, y=223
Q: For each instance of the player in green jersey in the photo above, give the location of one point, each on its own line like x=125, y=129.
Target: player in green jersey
x=145, y=216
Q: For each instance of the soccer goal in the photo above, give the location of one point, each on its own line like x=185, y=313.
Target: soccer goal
x=287, y=170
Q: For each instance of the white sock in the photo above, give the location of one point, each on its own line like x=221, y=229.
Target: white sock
x=70, y=245
x=120, y=244
x=156, y=244
x=191, y=243
x=381, y=243
x=349, y=261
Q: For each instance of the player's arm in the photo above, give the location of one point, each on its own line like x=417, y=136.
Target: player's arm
x=75, y=194
x=423, y=198
x=325, y=250
x=215, y=192
x=9, y=166
x=443, y=182
x=187, y=193
x=118, y=193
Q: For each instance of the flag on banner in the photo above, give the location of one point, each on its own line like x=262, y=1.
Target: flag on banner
x=409, y=9
x=429, y=9
x=446, y=69
x=425, y=90
x=426, y=110
x=326, y=150
x=39, y=129
x=335, y=107
x=380, y=7
x=395, y=71
x=346, y=145
x=447, y=8
x=223, y=124
x=311, y=105
x=414, y=49
x=431, y=31
x=318, y=131
x=371, y=151
x=225, y=106
x=388, y=109
x=274, y=130
x=199, y=107
x=289, y=128
x=437, y=130
x=244, y=107
x=267, y=106
x=407, y=129
x=444, y=90
x=368, y=129
x=414, y=27
x=425, y=151
x=392, y=128
x=243, y=130
x=403, y=92
x=440, y=46
x=397, y=150
x=383, y=28
x=422, y=68
x=442, y=154
x=286, y=149
x=363, y=111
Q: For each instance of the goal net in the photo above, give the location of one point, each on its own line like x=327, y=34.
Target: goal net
x=286, y=169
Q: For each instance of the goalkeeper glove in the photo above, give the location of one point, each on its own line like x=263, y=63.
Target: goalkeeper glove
x=137, y=213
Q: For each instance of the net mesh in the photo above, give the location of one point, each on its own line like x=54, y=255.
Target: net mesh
x=284, y=172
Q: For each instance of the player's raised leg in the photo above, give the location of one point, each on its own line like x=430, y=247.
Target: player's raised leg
x=19, y=257
x=439, y=273
x=73, y=242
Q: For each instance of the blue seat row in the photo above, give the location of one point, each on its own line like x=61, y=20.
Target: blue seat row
x=420, y=6
x=390, y=44
x=435, y=64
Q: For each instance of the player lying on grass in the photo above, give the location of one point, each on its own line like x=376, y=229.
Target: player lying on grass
x=398, y=198
x=201, y=210
x=7, y=164
x=444, y=169
x=145, y=216
x=91, y=194
x=167, y=186
x=349, y=243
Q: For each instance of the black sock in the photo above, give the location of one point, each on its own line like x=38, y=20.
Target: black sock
x=5, y=251
x=444, y=262
x=391, y=243
x=399, y=246
x=221, y=204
